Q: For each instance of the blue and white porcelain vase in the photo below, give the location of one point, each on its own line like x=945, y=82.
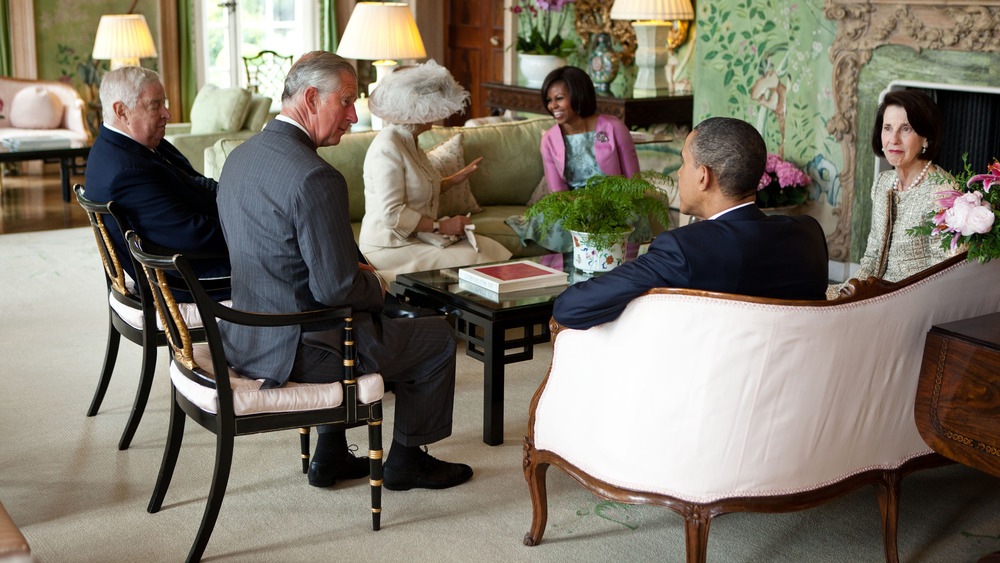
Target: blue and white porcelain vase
x=602, y=66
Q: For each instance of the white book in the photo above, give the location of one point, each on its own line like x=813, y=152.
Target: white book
x=513, y=276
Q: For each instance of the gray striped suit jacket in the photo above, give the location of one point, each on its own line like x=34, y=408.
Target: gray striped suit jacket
x=284, y=213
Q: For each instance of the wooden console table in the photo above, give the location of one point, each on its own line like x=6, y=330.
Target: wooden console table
x=633, y=112
x=958, y=395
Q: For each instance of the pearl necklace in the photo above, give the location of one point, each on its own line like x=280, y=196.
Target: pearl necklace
x=915, y=180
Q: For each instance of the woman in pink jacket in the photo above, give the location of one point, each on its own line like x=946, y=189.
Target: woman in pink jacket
x=583, y=143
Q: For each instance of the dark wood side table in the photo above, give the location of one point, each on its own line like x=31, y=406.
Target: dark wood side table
x=67, y=160
x=957, y=409
x=483, y=323
x=633, y=112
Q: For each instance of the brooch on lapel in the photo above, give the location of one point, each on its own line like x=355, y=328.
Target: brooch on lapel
x=601, y=137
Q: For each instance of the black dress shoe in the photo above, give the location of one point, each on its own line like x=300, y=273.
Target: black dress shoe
x=428, y=473
x=322, y=474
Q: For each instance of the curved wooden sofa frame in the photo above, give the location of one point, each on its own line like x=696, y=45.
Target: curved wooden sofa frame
x=697, y=515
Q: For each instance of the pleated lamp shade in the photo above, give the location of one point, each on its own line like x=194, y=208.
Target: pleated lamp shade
x=124, y=39
x=381, y=31
x=652, y=10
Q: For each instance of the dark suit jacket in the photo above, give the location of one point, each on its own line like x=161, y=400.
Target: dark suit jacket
x=168, y=202
x=743, y=251
x=285, y=214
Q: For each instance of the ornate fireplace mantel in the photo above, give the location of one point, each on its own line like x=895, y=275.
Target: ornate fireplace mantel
x=861, y=27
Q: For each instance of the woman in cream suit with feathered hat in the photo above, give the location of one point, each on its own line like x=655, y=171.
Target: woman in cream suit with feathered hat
x=402, y=187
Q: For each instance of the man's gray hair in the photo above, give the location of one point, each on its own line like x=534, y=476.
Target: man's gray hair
x=734, y=151
x=124, y=85
x=320, y=69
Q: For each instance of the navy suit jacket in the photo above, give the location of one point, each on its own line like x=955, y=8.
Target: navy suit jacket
x=743, y=251
x=167, y=201
x=285, y=212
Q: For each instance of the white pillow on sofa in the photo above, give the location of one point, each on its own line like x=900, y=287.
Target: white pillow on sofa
x=448, y=158
x=219, y=110
x=35, y=107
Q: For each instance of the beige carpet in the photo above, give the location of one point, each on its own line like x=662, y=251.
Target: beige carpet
x=77, y=498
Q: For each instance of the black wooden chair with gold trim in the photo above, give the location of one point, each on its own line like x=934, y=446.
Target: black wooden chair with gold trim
x=242, y=407
x=130, y=313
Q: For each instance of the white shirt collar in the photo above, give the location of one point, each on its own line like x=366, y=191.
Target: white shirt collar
x=287, y=119
x=120, y=132
x=721, y=213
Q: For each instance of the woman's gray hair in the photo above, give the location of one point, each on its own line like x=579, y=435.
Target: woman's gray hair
x=319, y=69
x=734, y=151
x=124, y=85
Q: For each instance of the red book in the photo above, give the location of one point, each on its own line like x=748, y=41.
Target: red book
x=513, y=276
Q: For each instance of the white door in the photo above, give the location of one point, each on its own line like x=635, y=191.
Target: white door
x=232, y=29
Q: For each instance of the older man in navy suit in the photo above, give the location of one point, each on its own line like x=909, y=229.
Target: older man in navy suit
x=168, y=203
x=736, y=249
x=285, y=214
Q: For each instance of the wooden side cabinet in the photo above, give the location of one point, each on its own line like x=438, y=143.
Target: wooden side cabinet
x=957, y=408
x=633, y=112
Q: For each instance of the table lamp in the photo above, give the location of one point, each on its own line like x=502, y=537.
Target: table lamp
x=382, y=32
x=124, y=39
x=660, y=27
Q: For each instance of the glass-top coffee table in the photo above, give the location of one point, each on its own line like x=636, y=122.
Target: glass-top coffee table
x=483, y=322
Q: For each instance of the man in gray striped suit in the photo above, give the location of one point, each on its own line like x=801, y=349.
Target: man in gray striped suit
x=284, y=212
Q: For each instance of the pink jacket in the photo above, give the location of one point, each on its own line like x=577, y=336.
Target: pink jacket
x=613, y=149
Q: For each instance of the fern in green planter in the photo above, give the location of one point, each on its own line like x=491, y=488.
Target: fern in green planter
x=606, y=205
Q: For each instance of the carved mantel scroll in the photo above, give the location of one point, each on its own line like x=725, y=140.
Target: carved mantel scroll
x=861, y=27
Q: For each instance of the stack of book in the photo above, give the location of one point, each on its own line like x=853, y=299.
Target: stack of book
x=37, y=143
x=494, y=280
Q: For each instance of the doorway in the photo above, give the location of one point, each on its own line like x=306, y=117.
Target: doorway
x=474, y=49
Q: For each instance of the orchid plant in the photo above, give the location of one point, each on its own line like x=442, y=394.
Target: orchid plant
x=968, y=216
x=539, y=27
x=782, y=184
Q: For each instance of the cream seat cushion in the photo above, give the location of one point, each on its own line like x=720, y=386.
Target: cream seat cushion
x=249, y=398
x=133, y=316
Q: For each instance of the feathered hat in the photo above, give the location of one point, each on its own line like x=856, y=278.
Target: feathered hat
x=418, y=94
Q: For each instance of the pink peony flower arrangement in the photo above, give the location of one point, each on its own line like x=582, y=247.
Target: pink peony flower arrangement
x=968, y=217
x=539, y=27
x=782, y=184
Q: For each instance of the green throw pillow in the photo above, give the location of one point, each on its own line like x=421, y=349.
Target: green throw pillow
x=219, y=110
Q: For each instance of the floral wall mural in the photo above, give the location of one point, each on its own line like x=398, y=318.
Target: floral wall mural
x=767, y=62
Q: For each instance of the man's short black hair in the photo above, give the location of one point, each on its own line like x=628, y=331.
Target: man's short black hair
x=734, y=151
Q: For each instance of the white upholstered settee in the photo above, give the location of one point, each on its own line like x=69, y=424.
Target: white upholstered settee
x=40, y=108
x=710, y=403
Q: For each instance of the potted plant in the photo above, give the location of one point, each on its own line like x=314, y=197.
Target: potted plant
x=601, y=215
x=783, y=186
x=541, y=47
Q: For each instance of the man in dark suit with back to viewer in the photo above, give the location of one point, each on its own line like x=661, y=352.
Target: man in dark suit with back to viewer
x=736, y=249
x=167, y=201
x=284, y=211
